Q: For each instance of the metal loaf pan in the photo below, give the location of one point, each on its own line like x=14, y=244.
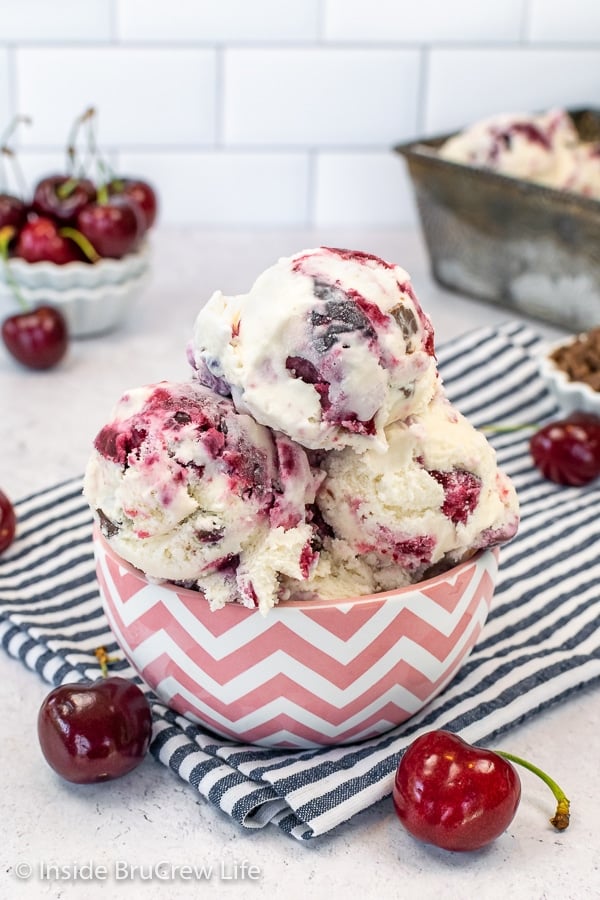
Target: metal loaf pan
x=508, y=241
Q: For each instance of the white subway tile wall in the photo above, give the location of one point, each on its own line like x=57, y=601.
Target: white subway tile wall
x=5, y=90
x=218, y=21
x=270, y=114
x=319, y=97
x=425, y=22
x=468, y=85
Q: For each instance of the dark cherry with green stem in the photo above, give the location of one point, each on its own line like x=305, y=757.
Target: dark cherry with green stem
x=95, y=732
x=36, y=337
x=460, y=797
x=113, y=225
x=61, y=197
x=139, y=193
x=42, y=239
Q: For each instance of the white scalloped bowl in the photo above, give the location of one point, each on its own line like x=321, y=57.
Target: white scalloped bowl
x=94, y=298
x=571, y=396
x=310, y=673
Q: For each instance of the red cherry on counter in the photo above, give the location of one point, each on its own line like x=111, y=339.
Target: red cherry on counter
x=453, y=795
x=95, y=732
x=40, y=241
x=459, y=797
x=114, y=228
x=567, y=451
x=8, y=522
x=62, y=197
x=141, y=193
x=38, y=339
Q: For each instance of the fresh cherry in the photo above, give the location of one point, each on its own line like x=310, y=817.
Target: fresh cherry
x=40, y=241
x=62, y=197
x=459, y=797
x=95, y=732
x=567, y=451
x=13, y=211
x=38, y=338
x=141, y=193
x=114, y=228
x=452, y=795
x=8, y=522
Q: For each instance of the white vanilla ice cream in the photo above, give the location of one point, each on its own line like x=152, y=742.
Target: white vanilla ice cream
x=313, y=453
x=538, y=148
x=189, y=490
x=329, y=347
x=436, y=496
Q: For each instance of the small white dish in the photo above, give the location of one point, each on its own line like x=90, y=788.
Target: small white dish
x=38, y=275
x=93, y=298
x=571, y=396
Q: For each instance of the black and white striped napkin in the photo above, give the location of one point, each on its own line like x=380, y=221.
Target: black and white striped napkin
x=540, y=644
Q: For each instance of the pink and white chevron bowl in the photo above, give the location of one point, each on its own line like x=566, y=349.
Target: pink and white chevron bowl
x=308, y=674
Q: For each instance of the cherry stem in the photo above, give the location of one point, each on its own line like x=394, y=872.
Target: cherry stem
x=65, y=189
x=7, y=233
x=102, y=193
x=561, y=817
x=105, y=172
x=8, y=153
x=86, y=116
x=104, y=659
x=86, y=247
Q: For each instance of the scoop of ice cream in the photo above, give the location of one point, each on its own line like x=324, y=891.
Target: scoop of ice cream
x=433, y=499
x=189, y=490
x=329, y=347
x=535, y=147
x=584, y=177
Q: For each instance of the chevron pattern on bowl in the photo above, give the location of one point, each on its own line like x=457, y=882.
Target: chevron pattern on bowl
x=308, y=674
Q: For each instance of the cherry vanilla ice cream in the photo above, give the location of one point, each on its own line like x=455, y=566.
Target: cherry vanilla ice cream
x=536, y=147
x=312, y=454
x=329, y=347
x=435, y=497
x=585, y=176
x=189, y=490
x=544, y=148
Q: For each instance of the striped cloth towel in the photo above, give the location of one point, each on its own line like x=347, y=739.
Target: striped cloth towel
x=540, y=644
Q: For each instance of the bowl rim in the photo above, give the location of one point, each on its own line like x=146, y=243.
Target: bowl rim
x=355, y=601
x=16, y=263
x=85, y=293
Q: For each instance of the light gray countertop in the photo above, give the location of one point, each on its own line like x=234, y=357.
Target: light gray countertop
x=151, y=818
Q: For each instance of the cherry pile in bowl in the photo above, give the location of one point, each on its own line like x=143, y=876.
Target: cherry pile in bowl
x=73, y=248
x=71, y=219
x=74, y=258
